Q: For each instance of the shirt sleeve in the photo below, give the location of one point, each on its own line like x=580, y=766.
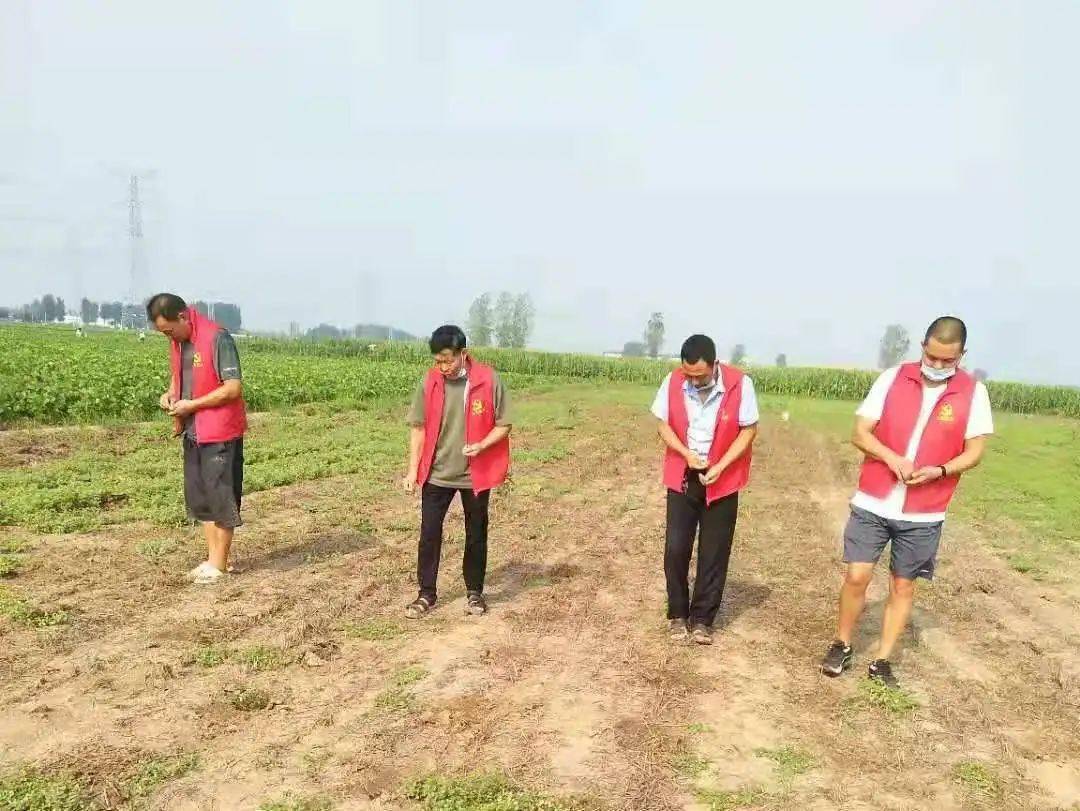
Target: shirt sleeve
x=981, y=420
x=748, y=405
x=415, y=417
x=874, y=404
x=226, y=357
x=660, y=402
x=503, y=415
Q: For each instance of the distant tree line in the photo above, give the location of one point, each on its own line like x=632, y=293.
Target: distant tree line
x=376, y=332
x=44, y=310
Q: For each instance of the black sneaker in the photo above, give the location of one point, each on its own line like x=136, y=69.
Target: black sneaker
x=837, y=659
x=881, y=670
x=476, y=604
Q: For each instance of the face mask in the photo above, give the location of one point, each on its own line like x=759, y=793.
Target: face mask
x=937, y=375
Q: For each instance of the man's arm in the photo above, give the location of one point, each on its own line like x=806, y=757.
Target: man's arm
x=416, y=447
x=667, y=433
x=968, y=458
x=494, y=437
x=863, y=438
x=740, y=445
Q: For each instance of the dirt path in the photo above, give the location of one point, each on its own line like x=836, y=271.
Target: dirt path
x=569, y=685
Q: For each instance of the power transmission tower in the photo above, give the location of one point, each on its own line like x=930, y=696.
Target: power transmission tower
x=135, y=234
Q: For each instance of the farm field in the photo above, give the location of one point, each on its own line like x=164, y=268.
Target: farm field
x=298, y=685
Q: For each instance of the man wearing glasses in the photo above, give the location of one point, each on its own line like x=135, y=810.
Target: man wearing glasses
x=459, y=443
x=921, y=426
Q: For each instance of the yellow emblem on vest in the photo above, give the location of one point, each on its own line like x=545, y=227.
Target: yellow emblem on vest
x=196, y=359
x=946, y=413
x=477, y=407
x=724, y=417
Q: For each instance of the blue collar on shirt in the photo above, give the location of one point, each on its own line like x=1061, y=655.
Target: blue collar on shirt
x=716, y=391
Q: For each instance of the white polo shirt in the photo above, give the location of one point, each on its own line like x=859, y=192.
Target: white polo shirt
x=980, y=423
x=702, y=428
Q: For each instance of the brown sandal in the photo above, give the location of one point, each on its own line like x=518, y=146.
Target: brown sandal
x=417, y=608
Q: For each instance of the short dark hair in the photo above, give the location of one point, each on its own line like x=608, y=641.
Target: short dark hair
x=949, y=330
x=447, y=336
x=167, y=305
x=697, y=348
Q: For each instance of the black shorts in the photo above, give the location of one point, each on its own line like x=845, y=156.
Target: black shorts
x=214, y=481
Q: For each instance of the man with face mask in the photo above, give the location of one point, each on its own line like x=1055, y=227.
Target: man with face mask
x=707, y=415
x=921, y=426
x=460, y=443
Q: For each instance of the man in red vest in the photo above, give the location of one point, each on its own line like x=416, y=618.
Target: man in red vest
x=708, y=416
x=206, y=401
x=459, y=444
x=921, y=426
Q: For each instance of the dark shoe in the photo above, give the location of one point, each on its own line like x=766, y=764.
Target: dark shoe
x=678, y=630
x=837, y=659
x=881, y=670
x=475, y=604
x=418, y=607
x=701, y=634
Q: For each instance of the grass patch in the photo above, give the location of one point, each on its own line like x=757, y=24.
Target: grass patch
x=250, y=699
x=977, y=779
x=394, y=700
x=788, y=762
x=9, y=565
x=895, y=702
x=1026, y=563
x=731, y=800
x=22, y=613
x=486, y=792
x=152, y=774
x=31, y=790
x=410, y=675
x=375, y=629
x=13, y=546
x=211, y=655
x=699, y=729
x=290, y=803
x=261, y=657
x=689, y=765
x=157, y=549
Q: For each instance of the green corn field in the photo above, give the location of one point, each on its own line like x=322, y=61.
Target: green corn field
x=50, y=375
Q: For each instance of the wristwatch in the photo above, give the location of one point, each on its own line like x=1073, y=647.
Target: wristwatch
x=944, y=472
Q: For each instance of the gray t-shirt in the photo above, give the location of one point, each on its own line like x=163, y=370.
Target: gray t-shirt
x=450, y=467
x=226, y=361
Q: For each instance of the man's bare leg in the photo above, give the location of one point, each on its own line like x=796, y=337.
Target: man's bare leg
x=853, y=599
x=897, y=613
x=219, y=540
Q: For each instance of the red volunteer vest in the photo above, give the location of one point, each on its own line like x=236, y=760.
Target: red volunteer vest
x=942, y=440
x=737, y=474
x=489, y=469
x=225, y=422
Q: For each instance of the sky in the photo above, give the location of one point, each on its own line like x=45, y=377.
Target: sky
x=790, y=176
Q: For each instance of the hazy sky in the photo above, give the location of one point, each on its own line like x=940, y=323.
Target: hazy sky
x=792, y=176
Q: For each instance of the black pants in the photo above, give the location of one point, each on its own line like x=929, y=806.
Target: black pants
x=686, y=514
x=434, y=502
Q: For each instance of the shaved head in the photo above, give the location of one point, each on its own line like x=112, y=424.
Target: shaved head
x=948, y=330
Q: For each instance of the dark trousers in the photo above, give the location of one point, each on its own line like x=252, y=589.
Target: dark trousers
x=686, y=515
x=434, y=502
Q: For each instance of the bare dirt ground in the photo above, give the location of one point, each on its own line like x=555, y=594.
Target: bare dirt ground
x=569, y=685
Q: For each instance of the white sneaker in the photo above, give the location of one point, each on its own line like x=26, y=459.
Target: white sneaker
x=198, y=570
x=208, y=576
